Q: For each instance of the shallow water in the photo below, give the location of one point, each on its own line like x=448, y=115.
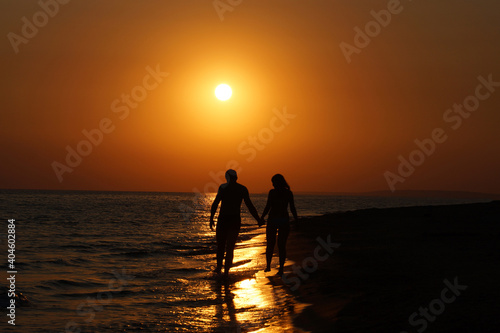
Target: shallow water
x=126, y=262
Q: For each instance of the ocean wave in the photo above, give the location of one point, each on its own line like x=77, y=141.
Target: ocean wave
x=21, y=298
x=170, y=274
x=43, y=218
x=63, y=283
x=61, y=262
x=75, y=246
x=145, y=253
x=95, y=294
x=197, y=252
x=173, y=250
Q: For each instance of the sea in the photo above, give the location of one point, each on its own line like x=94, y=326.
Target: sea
x=142, y=262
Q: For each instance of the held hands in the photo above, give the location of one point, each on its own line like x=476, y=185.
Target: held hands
x=261, y=221
x=212, y=224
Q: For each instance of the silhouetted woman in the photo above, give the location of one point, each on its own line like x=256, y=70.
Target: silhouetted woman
x=278, y=201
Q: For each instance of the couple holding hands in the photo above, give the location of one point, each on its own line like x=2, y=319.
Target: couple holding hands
x=230, y=195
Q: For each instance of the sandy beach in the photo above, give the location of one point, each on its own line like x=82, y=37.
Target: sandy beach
x=411, y=269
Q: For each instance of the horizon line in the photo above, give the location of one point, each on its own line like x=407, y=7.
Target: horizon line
x=306, y=192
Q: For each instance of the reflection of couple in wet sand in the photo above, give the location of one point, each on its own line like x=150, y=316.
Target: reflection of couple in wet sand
x=231, y=195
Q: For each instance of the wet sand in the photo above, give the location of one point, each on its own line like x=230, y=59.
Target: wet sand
x=251, y=300
x=412, y=269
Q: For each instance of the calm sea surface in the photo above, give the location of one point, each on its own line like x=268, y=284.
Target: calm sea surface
x=134, y=261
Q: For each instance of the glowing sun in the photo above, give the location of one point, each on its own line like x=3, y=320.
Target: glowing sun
x=223, y=92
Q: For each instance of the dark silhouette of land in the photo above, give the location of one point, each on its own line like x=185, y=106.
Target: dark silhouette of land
x=392, y=264
x=415, y=194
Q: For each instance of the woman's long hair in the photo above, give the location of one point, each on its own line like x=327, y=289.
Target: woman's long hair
x=279, y=182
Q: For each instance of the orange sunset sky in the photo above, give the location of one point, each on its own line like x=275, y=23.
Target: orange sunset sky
x=313, y=99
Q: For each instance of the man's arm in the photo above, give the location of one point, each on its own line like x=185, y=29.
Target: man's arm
x=251, y=207
x=215, y=204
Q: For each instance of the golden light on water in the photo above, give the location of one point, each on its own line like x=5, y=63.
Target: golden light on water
x=247, y=283
x=256, y=293
x=250, y=298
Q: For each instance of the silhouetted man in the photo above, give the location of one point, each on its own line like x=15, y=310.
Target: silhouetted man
x=231, y=194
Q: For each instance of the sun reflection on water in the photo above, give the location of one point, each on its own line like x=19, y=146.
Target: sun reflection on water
x=251, y=301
